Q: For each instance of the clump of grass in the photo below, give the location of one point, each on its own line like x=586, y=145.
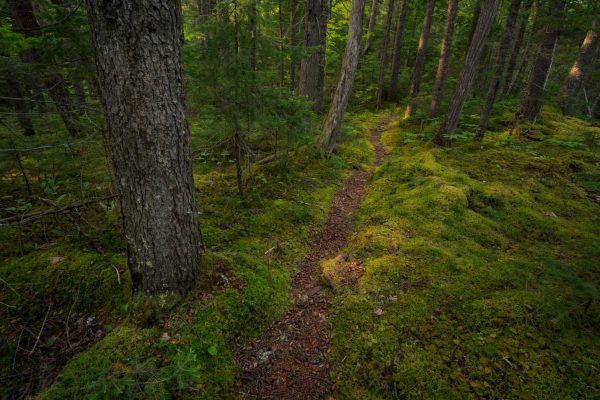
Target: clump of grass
x=484, y=260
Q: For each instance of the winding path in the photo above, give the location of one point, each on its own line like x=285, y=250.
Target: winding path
x=290, y=360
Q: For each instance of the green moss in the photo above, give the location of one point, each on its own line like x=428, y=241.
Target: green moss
x=253, y=249
x=484, y=260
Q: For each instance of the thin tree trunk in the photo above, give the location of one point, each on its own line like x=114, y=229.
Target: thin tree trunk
x=293, y=23
x=415, y=86
x=138, y=59
x=532, y=102
x=312, y=66
x=281, y=45
x=253, y=21
x=383, y=53
x=516, y=47
x=579, y=71
x=79, y=92
x=486, y=20
x=398, y=42
x=20, y=103
x=344, y=85
x=25, y=23
x=440, y=76
x=507, y=35
x=371, y=28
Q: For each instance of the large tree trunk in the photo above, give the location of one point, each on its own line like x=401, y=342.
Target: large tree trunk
x=440, y=76
x=344, y=86
x=484, y=25
x=579, y=71
x=507, y=35
x=138, y=58
x=398, y=42
x=383, y=53
x=516, y=46
x=20, y=103
x=415, y=86
x=312, y=66
x=24, y=22
x=532, y=102
x=371, y=27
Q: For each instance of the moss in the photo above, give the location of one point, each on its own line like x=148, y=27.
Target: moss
x=253, y=249
x=484, y=260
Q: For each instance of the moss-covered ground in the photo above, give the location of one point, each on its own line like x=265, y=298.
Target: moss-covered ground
x=482, y=268
x=158, y=348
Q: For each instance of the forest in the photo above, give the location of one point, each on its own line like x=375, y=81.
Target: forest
x=299, y=199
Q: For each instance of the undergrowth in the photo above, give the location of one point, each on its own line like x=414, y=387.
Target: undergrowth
x=162, y=349
x=482, y=269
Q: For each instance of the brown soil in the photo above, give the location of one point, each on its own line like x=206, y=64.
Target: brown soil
x=290, y=360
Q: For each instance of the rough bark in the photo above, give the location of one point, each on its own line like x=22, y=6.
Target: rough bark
x=24, y=22
x=415, y=86
x=507, y=35
x=532, y=102
x=138, y=60
x=20, y=103
x=398, y=42
x=440, y=75
x=585, y=59
x=484, y=25
x=312, y=65
x=516, y=46
x=344, y=85
x=371, y=27
x=383, y=53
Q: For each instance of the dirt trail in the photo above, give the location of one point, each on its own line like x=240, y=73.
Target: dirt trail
x=290, y=360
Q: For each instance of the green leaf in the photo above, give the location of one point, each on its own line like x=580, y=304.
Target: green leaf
x=212, y=350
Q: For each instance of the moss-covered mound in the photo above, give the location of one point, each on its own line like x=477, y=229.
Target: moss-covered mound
x=482, y=270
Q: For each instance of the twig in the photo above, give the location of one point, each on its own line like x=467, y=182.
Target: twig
x=41, y=330
x=21, y=219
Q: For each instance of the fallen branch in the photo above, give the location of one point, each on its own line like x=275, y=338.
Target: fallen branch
x=21, y=219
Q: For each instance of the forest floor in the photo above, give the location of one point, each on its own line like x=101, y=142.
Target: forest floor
x=291, y=359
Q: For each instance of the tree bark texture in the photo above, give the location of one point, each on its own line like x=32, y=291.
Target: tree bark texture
x=343, y=90
x=138, y=59
x=532, y=102
x=24, y=22
x=509, y=27
x=398, y=42
x=461, y=92
x=440, y=75
x=20, y=103
x=371, y=27
x=585, y=60
x=383, y=53
x=312, y=65
x=415, y=86
x=293, y=29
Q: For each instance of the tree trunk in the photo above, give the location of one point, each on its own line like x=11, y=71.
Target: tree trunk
x=507, y=35
x=138, y=59
x=312, y=66
x=486, y=20
x=415, y=86
x=21, y=104
x=344, y=85
x=440, y=76
x=398, y=42
x=79, y=92
x=516, y=47
x=293, y=23
x=579, y=71
x=474, y=21
x=383, y=53
x=532, y=102
x=371, y=28
x=24, y=22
